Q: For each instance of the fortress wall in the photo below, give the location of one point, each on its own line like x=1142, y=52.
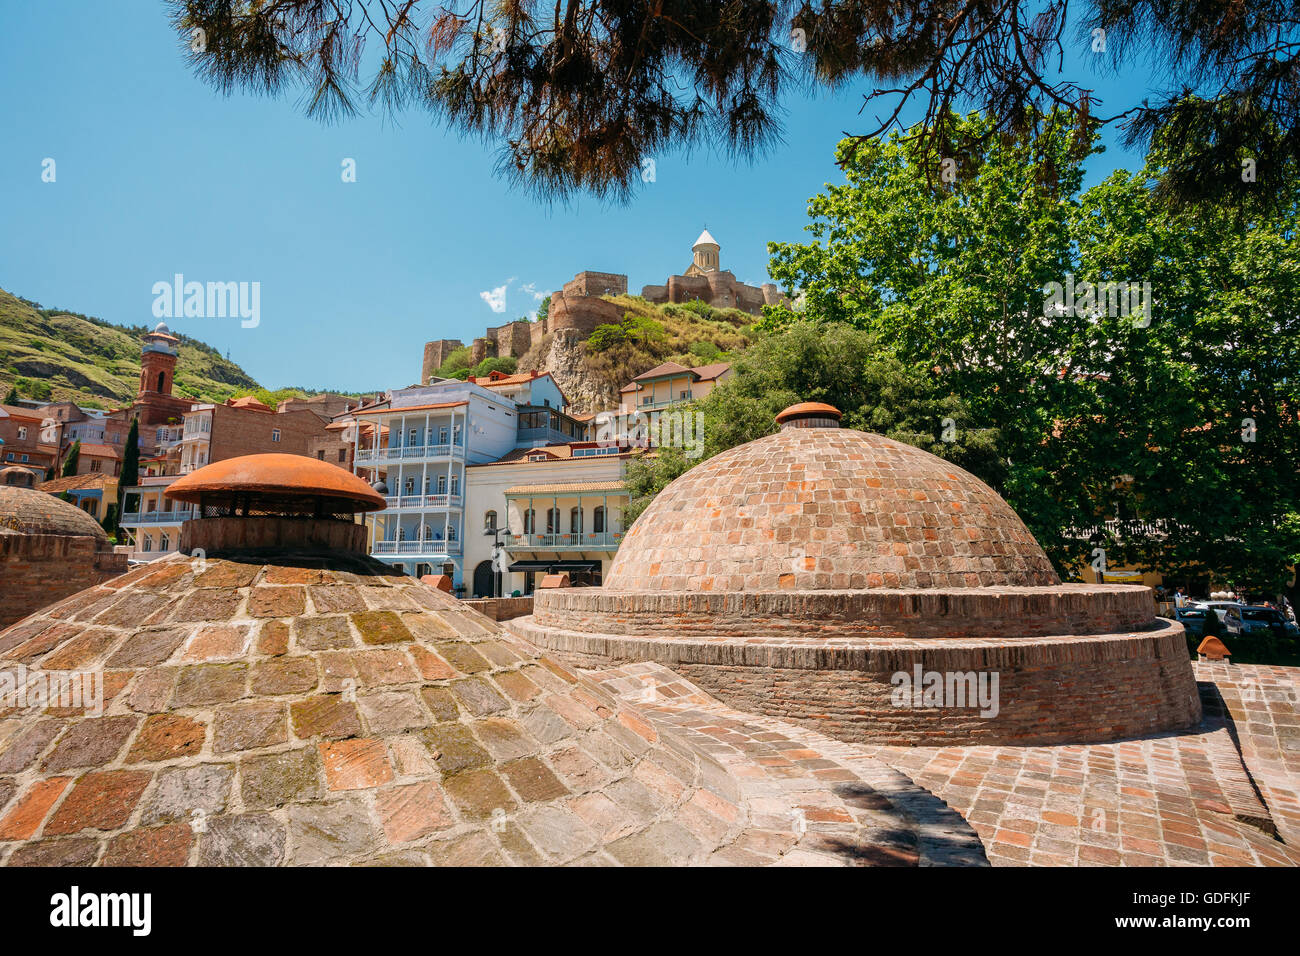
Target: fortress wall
x=583, y=313
x=595, y=283
x=435, y=354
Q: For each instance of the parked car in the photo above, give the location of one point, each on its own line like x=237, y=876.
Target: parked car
x=1221, y=608
x=1192, y=619
x=1251, y=619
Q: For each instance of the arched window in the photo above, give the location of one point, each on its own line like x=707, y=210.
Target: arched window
x=148, y=543
x=164, y=542
x=598, y=520
x=575, y=520
x=161, y=377
x=552, y=520
x=490, y=521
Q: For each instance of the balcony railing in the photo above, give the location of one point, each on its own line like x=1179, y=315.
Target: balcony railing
x=156, y=517
x=423, y=501
x=400, y=452
x=429, y=546
x=578, y=541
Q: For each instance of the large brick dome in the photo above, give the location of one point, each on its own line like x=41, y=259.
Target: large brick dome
x=805, y=574
x=825, y=508
x=26, y=511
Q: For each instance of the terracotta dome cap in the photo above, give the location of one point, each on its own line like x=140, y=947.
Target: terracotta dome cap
x=276, y=475
x=808, y=409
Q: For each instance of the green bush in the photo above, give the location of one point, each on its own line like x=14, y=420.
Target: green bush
x=494, y=364
x=605, y=336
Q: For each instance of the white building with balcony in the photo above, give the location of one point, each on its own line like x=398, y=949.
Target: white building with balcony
x=153, y=521
x=421, y=444
x=555, y=508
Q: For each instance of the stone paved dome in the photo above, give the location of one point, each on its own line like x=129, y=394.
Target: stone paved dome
x=26, y=511
x=827, y=509
x=306, y=708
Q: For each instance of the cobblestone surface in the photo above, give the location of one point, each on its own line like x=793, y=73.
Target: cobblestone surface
x=1186, y=799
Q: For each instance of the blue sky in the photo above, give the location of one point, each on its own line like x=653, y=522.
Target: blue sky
x=158, y=174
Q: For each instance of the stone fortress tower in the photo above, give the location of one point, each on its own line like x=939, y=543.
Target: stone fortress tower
x=579, y=306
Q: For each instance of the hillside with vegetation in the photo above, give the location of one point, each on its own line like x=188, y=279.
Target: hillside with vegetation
x=55, y=355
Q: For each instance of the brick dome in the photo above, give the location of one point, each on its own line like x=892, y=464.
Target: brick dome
x=827, y=509
x=325, y=709
x=26, y=511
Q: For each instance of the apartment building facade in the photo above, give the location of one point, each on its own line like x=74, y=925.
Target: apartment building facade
x=541, y=510
x=21, y=445
x=415, y=448
x=208, y=432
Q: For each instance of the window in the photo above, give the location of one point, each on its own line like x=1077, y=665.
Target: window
x=9, y=456
x=442, y=435
x=575, y=520
x=164, y=542
x=410, y=486
x=598, y=520
x=162, y=377
x=442, y=484
x=22, y=458
x=490, y=521
x=275, y=434
x=343, y=455
x=455, y=484
x=539, y=457
x=552, y=520
x=321, y=454
x=95, y=464
x=22, y=434
x=451, y=532
x=148, y=543
x=530, y=522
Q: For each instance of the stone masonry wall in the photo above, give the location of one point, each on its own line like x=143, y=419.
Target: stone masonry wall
x=37, y=570
x=1050, y=690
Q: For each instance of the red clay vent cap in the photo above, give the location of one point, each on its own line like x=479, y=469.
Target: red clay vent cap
x=808, y=410
x=276, y=476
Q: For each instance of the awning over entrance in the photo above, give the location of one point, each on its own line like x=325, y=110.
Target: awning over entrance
x=553, y=566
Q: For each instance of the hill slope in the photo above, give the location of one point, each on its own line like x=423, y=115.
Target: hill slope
x=93, y=363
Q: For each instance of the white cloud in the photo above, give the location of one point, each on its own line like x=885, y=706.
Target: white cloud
x=496, y=299
x=530, y=288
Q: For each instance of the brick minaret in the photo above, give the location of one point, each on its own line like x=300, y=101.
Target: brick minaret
x=154, y=403
x=158, y=362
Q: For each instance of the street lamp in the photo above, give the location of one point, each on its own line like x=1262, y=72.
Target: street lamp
x=494, y=533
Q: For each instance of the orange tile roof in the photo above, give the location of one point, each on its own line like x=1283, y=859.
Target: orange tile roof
x=75, y=483
x=100, y=451
x=565, y=488
x=667, y=368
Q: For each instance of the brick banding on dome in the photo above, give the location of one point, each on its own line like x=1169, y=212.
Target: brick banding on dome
x=827, y=509
x=800, y=574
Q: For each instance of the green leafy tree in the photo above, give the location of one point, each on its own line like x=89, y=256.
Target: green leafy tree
x=837, y=364
x=74, y=456
x=544, y=310
x=12, y=397
x=504, y=363
x=604, y=337
x=1167, y=430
